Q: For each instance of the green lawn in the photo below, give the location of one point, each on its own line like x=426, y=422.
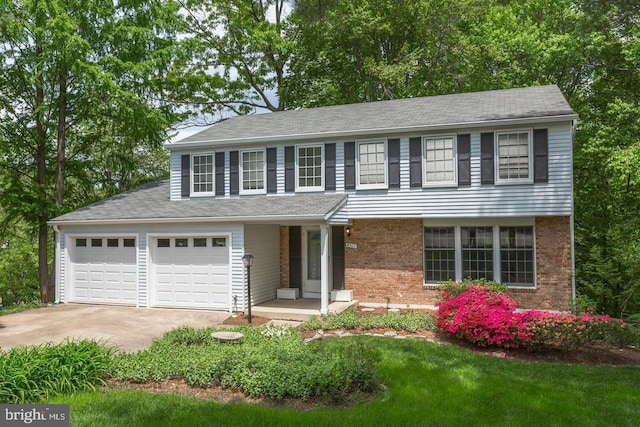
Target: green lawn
x=428, y=384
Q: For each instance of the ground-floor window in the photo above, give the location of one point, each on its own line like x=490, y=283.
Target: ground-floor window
x=505, y=253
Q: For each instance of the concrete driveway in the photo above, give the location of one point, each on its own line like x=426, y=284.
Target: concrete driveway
x=128, y=328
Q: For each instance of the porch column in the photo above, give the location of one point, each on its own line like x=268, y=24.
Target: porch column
x=324, y=266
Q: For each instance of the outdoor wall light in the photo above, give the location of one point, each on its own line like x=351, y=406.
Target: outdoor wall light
x=348, y=231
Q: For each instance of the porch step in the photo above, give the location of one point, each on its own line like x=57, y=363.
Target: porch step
x=299, y=310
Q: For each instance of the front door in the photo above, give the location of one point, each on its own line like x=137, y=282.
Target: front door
x=311, y=263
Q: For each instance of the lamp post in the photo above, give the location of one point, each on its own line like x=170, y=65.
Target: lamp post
x=247, y=260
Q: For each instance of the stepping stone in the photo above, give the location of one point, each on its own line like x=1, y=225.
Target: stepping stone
x=367, y=310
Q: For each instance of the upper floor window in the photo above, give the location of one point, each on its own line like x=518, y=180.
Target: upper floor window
x=440, y=161
x=372, y=170
x=514, y=159
x=202, y=174
x=253, y=172
x=309, y=170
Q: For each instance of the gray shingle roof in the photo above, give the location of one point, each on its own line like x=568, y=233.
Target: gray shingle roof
x=353, y=119
x=150, y=202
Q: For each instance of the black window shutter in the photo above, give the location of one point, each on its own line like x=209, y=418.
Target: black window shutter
x=272, y=176
x=185, y=183
x=486, y=158
x=394, y=163
x=234, y=173
x=295, y=257
x=289, y=168
x=464, y=160
x=415, y=161
x=349, y=165
x=219, y=174
x=337, y=252
x=541, y=155
x=330, y=166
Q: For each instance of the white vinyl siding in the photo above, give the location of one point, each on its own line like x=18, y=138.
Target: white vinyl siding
x=439, y=155
x=514, y=157
x=554, y=197
x=371, y=162
x=253, y=173
x=477, y=200
x=263, y=242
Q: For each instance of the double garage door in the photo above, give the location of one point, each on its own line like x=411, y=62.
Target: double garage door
x=187, y=272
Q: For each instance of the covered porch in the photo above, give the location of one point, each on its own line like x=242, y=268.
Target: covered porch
x=301, y=309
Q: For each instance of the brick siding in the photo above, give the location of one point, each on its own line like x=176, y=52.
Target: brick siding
x=284, y=257
x=553, y=266
x=385, y=267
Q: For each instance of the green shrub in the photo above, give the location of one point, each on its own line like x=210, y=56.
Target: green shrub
x=33, y=374
x=410, y=321
x=270, y=362
x=451, y=289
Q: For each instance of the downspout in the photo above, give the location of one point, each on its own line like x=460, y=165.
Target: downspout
x=572, y=232
x=56, y=262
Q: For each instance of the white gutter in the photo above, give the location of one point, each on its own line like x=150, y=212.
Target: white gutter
x=265, y=218
x=363, y=132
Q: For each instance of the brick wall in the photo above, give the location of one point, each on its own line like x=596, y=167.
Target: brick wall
x=284, y=257
x=553, y=266
x=386, y=266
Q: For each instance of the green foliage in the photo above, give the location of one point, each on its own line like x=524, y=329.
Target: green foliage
x=268, y=362
x=410, y=321
x=35, y=374
x=453, y=289
x=428, y=385
x=18, y=270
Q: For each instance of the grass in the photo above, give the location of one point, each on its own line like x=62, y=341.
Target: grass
x=17, y=308
x=428, y=385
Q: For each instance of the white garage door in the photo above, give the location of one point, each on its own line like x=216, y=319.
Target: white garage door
x=103, y=270
x=190, y=272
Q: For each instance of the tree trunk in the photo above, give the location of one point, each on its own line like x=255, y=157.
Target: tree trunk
x=41, y=164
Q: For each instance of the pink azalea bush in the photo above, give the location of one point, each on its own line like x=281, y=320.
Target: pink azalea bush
x=485, y=317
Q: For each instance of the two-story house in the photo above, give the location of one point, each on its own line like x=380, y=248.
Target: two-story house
x=384, y=199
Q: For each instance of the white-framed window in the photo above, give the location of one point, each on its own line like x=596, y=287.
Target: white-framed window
x=309, y=170
x=516, y=255
x=514, y=156
x=439, y=254
x=202, y=174
x=502, y=250
x=477, y=252
x=440, y=167
x=253, y=172
x=371, y=164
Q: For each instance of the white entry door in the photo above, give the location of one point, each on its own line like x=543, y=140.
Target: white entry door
x=311, y=263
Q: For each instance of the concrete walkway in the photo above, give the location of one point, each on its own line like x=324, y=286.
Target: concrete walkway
x=127, y=328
